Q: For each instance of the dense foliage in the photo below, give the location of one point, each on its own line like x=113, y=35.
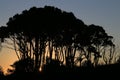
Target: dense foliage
x=49, y=35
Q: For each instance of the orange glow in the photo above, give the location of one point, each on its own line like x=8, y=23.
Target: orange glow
x=7, y=57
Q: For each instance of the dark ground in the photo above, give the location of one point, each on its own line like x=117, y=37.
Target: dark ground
x=64, y=73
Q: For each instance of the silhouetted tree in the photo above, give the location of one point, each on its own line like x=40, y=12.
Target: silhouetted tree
x=101, y=40
x=67, y=40
x=32, y=38
x=97, y=40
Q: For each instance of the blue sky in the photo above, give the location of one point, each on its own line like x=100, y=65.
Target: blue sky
x=105, y=13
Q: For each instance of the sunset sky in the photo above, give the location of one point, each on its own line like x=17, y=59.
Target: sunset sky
x=105, y=13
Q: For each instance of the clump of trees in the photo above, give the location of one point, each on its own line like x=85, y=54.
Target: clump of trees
x=50, y=34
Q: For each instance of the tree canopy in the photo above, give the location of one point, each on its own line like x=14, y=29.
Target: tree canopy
x=44, y=34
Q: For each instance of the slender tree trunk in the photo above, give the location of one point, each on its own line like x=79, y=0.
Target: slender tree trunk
x=36, y=53
x=50, y=50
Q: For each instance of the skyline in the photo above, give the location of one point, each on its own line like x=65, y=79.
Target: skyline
x=98, y=12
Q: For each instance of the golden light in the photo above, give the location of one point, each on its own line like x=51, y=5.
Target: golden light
x=7, y=58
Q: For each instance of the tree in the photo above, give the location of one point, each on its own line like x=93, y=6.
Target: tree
x=43, y=33
x=100, y=40
x=95, y=43
x=31, y=37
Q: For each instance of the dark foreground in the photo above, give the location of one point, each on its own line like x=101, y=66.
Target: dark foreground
x=62, y=73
